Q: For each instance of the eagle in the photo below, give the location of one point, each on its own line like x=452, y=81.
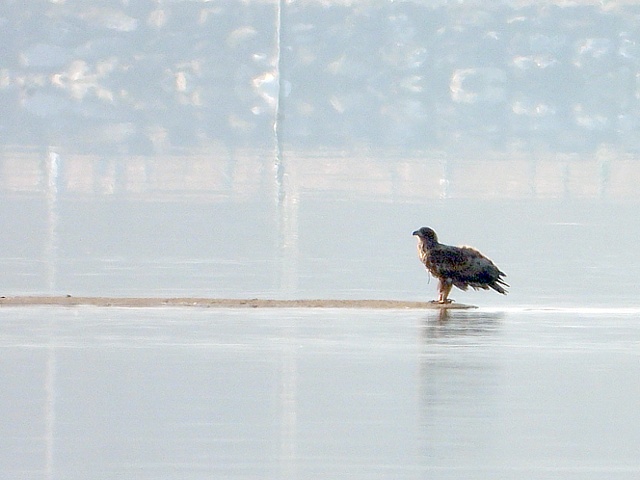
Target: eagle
x=463, y=267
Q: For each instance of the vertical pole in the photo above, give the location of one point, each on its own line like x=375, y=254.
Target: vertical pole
x=285, y=178
x=279, y=108
x=51, y=249
x=52, y=169
x=287, y=226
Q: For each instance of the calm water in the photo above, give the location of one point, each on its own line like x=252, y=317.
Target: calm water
x=556, y=252
x=190, y=393
x=281, y=149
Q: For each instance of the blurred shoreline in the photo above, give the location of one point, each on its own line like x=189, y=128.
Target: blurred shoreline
x=216, y=175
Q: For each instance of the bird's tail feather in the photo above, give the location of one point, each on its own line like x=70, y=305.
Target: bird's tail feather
x=498, y=286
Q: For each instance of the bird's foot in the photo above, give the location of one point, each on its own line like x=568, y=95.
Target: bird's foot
x=443, y=302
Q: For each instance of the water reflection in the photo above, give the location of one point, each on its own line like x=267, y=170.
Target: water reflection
x=459, y=389
x=291, y=393
x=452, y=323
x=457, y=384
x=192, y=226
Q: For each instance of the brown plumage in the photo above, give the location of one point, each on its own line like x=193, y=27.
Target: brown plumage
x=463, y=267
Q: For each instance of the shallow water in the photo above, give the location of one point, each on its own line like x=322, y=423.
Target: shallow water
x=555, y=252
x=187, y=393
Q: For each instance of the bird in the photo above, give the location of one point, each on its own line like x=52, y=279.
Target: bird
x=462, y=267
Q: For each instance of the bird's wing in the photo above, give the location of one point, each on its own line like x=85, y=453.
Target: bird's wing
x=449, y=261
x=465, y=263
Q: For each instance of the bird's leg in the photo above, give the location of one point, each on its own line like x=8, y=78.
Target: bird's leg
x=440, y=290
x=447, y=289
x=444, y=287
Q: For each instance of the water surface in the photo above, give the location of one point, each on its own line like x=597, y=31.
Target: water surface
x=184, y=393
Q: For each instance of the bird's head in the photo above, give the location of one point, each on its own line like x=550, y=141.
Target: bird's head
x=428, y=235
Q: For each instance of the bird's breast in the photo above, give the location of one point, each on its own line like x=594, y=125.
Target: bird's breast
x=423, y=253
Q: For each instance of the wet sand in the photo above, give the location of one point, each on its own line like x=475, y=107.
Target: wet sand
x=141, y=302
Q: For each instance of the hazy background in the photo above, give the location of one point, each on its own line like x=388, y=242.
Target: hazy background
x=289, y=149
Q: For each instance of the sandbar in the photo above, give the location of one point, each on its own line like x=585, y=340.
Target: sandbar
x=142, y=302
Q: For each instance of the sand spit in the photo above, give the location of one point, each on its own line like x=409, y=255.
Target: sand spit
x=219, y=303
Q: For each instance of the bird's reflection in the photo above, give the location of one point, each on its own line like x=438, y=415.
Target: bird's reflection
x=457, y=379
x=446, y=323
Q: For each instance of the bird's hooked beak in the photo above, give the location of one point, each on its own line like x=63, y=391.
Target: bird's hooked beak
x=417, y=232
